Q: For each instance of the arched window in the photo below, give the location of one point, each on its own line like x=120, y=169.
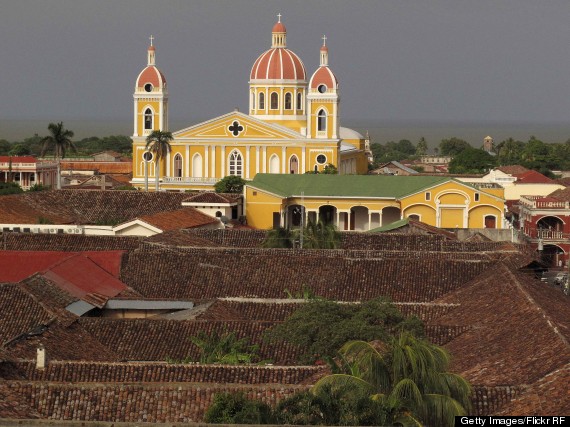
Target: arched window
x=197, y=166
x=322, y=121
x=274, y=164
x=288, y=104
x=294, y=165
x=274, y=101
x=235, y=163
x=178, y=165
x=261, y=101
x=148, y=118
x=299, y=101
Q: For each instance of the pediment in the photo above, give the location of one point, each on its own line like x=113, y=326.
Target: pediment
x=234, y=126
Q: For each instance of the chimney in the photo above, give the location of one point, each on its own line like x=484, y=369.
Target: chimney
x=41, y=358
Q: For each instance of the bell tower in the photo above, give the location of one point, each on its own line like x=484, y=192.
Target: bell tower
x=150, y=97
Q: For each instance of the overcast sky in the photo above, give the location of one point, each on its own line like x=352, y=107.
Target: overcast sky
x=428, y=60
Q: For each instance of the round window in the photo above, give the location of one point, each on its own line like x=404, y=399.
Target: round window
x=321, y=159
x=148, y=87
x=147, y=156
x=322, y=88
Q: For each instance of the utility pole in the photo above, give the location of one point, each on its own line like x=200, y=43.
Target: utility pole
x=302, y=219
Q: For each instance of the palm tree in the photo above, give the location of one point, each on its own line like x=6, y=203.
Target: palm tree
x=408, y=377
x=60, y=140
x=158, y=143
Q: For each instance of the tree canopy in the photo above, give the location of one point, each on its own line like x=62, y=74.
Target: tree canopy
x=320, y=327
x=230, y=184
x=472, y=160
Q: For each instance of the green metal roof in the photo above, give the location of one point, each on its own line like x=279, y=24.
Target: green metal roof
x=389, y=227
x=322, y=185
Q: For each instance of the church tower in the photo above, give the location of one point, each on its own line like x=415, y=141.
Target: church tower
x=323, y=100
x=150, y=98
x=277, y=84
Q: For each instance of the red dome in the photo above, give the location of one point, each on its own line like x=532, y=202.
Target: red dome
x=279, y=28
x=324, y=76
x=151, y=75
x=278, y=64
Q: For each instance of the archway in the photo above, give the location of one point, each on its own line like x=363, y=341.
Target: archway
x=553, y=256
x=359, y=218
x=390, y=214
x=327, y=214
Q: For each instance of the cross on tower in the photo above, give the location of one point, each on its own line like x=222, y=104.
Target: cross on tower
x=235, y=128
x=324, y=40
x=279, y=17
x=151, y=39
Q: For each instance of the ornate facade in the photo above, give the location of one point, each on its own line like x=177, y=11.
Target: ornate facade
x=292, y=126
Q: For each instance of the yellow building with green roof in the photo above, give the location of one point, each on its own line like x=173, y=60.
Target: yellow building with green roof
x=365, y=202
x=292, y=126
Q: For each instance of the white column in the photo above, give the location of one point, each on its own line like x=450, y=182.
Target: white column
x=187, y=161
x=214, y=162
x=303, y=153
x=369, y=220
x=334, y=120
x=167, y=164
x=223, y=171
x=135, y=130
x=284, y=168
x=281, y=102
x=264, y=167
x=337, y=219
x=257, y=159
x=380, y=219
x=206, y=163
x=246, y=166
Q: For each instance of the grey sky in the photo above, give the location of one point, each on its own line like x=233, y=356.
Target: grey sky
x=464, y=60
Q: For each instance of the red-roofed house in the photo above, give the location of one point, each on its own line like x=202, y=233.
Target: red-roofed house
x=27, y=171
x=546, y=222
x=149, y=225
x=217, y=204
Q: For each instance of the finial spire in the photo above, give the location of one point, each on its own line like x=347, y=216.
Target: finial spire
x=151, y=39
x=151, y=52
x=324, y=53
x=279, y=17
x=324, y=40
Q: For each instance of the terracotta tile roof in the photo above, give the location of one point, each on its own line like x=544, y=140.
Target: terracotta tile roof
x=533, y=177
x=68, y=242
x=513, y=169
x=211, y=197
x=18, y=265
x=101, y=167
x=208, y=273
x=18, y=159
x=182, y=238
x=136, y=339
x=531, y=341
x=562, y=195
x=179, y=219
x=86, y=206
x=550, y=395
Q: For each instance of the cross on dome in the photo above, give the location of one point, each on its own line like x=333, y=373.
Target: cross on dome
x=151, y=39
x=324, y=40
x=279, y=17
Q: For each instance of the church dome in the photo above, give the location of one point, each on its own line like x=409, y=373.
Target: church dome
x=278, y=63
x=324, y=79
x=151, y=77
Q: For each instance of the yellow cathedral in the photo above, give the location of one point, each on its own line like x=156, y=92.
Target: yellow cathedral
x=292, y=126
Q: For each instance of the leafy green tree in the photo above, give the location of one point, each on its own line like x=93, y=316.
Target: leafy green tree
x=19, y=150
x=10, y=188
x=60, y=141
x=452, y=146
x=225, y=348
x=408, y=376
x=236, y=408
x=320, y=235
x=158, y=143
x=320, y=327
x=509, y=152
x=5, y=147
x=331, y=407
x=472, y=160
x=330, y=169
x=279, y=238
x=38, y=187
x=422, y=147
x=230, y=184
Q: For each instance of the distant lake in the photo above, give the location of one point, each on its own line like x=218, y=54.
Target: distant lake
x=434, y=132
